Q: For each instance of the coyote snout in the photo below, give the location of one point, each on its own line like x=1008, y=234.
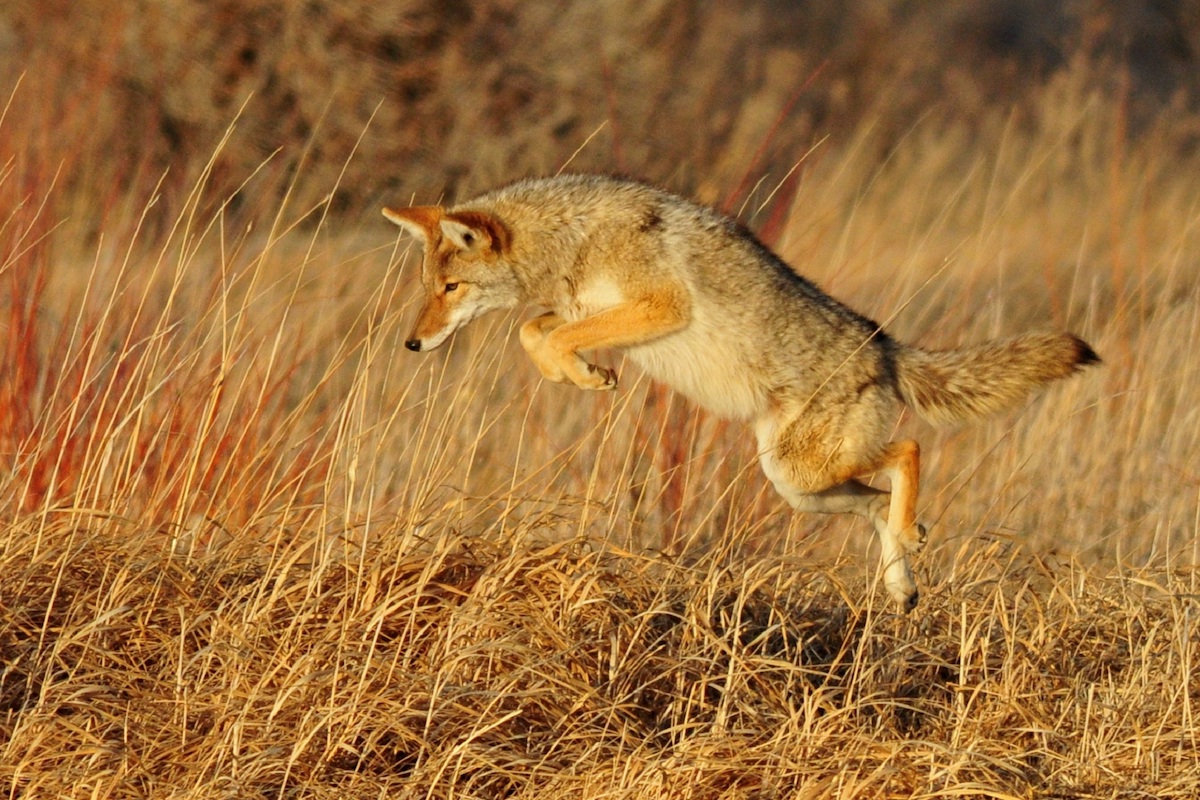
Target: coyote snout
x=701, y=305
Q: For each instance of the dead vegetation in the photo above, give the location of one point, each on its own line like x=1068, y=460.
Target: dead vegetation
x=504, y=666
x=458, y=96
x=251, y=547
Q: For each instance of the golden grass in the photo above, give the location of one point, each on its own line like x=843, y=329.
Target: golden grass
x=501, y=667
x=250, y=547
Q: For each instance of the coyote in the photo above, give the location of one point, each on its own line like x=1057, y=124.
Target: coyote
x=700, y=304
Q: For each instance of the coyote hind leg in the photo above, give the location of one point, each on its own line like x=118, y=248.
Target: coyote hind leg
x=892, y=513
x=853, y=497
x=900, y=534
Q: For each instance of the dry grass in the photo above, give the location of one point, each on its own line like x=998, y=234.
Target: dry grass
x=496, y=666
x=249, y=549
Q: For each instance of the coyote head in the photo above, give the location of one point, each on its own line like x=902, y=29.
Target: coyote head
x=464, y=272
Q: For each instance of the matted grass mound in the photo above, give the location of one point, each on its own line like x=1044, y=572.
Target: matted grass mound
x=469, y=668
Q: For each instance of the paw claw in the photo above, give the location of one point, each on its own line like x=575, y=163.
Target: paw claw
x=913, y=538
x=607, y=378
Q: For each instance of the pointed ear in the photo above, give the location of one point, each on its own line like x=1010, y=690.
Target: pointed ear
x=418, y=221
x=473, y=229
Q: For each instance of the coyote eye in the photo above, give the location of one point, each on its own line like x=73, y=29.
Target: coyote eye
x=450, y=287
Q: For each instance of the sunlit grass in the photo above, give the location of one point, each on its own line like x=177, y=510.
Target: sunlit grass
x=251, y=546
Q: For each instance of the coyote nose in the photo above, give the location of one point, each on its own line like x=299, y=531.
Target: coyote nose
x=413, y=344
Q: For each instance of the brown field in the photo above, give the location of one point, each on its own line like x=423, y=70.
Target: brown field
x=250, y=547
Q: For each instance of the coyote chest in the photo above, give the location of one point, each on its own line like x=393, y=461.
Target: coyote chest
x=593, y=297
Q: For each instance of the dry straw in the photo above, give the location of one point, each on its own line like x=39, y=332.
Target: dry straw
x=252, y=548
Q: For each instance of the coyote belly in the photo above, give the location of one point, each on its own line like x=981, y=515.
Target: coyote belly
x=701, y=305
x=709, y=367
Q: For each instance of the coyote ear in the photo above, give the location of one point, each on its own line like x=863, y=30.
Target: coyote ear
x=469, y=230
x=418, y=221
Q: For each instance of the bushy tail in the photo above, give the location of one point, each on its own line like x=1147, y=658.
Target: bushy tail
x=949, y=386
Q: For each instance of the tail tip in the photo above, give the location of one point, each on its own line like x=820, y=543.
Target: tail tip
x=1084, y=354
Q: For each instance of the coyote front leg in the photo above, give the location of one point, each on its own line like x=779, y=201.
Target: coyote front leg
x=553, y=344
x=533, y=338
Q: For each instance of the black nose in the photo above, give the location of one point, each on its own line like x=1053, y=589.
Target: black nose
x=413, y=344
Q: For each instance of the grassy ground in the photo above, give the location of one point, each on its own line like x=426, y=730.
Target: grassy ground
x=251, y=547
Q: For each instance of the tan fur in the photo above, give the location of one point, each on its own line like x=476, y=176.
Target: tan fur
x=948, y=386
x=700, y=304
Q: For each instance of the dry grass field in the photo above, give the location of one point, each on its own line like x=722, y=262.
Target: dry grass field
x=251, y=547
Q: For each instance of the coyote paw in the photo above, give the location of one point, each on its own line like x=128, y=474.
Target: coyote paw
x=904, y=591
x=912, y=539
x=598, y=379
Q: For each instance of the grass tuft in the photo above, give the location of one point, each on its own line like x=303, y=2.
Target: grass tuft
x=251, y=547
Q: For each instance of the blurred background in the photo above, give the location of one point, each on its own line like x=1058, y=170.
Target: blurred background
x=446, y=97
x=958, y=171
